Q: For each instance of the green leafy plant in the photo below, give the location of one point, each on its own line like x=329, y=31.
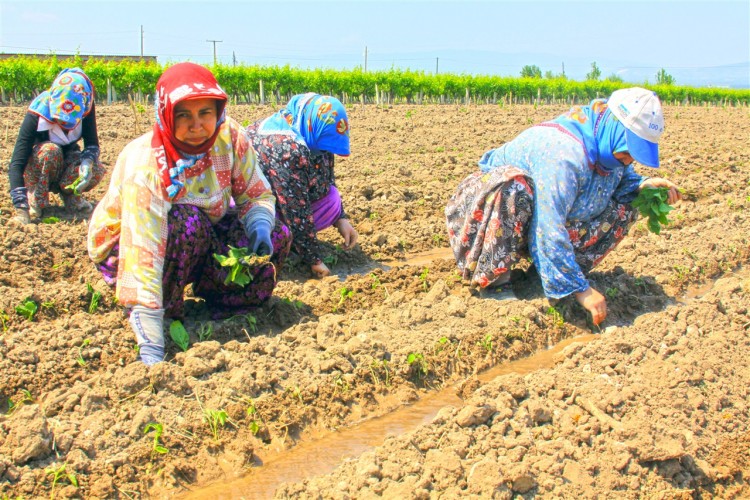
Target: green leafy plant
x=379, y=369
x=375, y=281
x=240, y=262
x=254, y=416
x=27, y=309
x=417, y=359
x=179, y=334
x=652, y=203
x=297, y=304
x=487, y=343
x=60, y=473
x=51, y=220
x=215, y=419
x=156, y=446
x=611, y=292
x=423, y=278
x=4, y=320
x=82, y=362
x=344, y=294
x=205, y=331
x=96, y=298
x=557, y=317
x=25, y=398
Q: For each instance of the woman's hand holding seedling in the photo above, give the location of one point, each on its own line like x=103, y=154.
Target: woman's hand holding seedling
x=240, y=262
x=654, y=200
x=84, y=178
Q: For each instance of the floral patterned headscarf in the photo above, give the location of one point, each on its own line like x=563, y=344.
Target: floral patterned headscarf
x=182, y=82
x=600, y=131
x=320, y=121
x=67, y=101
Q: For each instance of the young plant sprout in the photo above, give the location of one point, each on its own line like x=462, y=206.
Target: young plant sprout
x=652, y=203
x=240, y=262
x=179, y=335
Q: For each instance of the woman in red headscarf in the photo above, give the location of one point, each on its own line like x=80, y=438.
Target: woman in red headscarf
x=179, y=194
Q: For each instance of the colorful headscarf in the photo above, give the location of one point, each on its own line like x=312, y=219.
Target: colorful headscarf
x=182, y=82
x=320, y=121
x=68, y=100
x=600, y=131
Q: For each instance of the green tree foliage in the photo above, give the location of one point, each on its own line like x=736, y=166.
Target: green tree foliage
x=595, y=72
x=614, y=77
x=664, y=78
x=532, y=71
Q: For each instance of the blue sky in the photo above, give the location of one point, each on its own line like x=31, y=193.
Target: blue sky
x=698, y=42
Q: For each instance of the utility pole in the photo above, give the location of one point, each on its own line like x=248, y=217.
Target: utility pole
x=141, y=41
x=437, y=61
x=214, y=42
x=234, y=59
x=365, y=58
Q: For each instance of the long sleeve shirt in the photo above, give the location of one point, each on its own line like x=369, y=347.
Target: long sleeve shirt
x=567, y=189
x=135, y=209
x=298, y=179
x=29, y=135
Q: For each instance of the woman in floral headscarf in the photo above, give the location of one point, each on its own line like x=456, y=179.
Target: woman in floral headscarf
x=47, y=156
x=179, y=194
x=561, y=192
x=296, y=149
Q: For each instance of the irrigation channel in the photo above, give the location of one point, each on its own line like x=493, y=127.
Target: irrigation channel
x=320, y=454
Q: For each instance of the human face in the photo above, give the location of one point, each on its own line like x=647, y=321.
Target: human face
x=624, y=158
x=195, y=121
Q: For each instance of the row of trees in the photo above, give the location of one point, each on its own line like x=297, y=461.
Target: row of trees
x=23, y=78
x=533, y=71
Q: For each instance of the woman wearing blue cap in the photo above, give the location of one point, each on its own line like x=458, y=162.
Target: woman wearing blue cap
x=296, y=149
x=561, y=191
x=47, y=157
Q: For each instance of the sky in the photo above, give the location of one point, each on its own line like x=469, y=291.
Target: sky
x=702, y=43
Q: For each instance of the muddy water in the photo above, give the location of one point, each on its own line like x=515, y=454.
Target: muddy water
x=324, y=453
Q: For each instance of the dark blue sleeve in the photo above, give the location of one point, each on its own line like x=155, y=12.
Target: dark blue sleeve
x=22, y=151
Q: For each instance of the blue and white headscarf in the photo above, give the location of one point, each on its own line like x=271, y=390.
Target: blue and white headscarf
x=600, y=131
x=318, y=121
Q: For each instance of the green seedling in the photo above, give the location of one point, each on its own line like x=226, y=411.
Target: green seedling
x=82, y=362
x=252, y=322
x=486, y=342
x=25, y=398
x=375, y=281
x=611, y=292
x=297, y=304
x=60, y=473
x=344, y=293
x=240, y=262
x=179, y=335
x=557, y=317
x=296, y=392
x=74, y=186
x=96, y=298
x=331, y=260
x=652, y=203
x=51, y=220
x=378, y=366
x=341, y=384
x=4, y=320
x=205, y=331
x=417, y=359
x=215, y=420
x=423, y=278
x=27, y=309
x=252, y=413
x=158, y=429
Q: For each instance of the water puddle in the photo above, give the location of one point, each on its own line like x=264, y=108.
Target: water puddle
x=321, y=455
x=419, y=259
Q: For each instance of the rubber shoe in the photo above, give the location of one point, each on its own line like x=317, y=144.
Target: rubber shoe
x=499, y=292
x=76, y=203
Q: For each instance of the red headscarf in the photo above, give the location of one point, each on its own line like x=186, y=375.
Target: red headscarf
x=178, y=83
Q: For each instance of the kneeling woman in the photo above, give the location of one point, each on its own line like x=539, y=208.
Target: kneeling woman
x=560, y=191
x=179, y=194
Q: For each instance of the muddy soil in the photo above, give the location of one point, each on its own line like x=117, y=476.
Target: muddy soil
x=656, y=407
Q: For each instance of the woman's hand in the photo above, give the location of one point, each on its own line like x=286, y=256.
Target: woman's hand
x=320, y=270
x=347, y=231
x=594, y=302
x=674, y=194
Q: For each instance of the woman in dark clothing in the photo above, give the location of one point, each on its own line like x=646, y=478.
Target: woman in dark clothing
x=47, y=157
x=296, y=148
